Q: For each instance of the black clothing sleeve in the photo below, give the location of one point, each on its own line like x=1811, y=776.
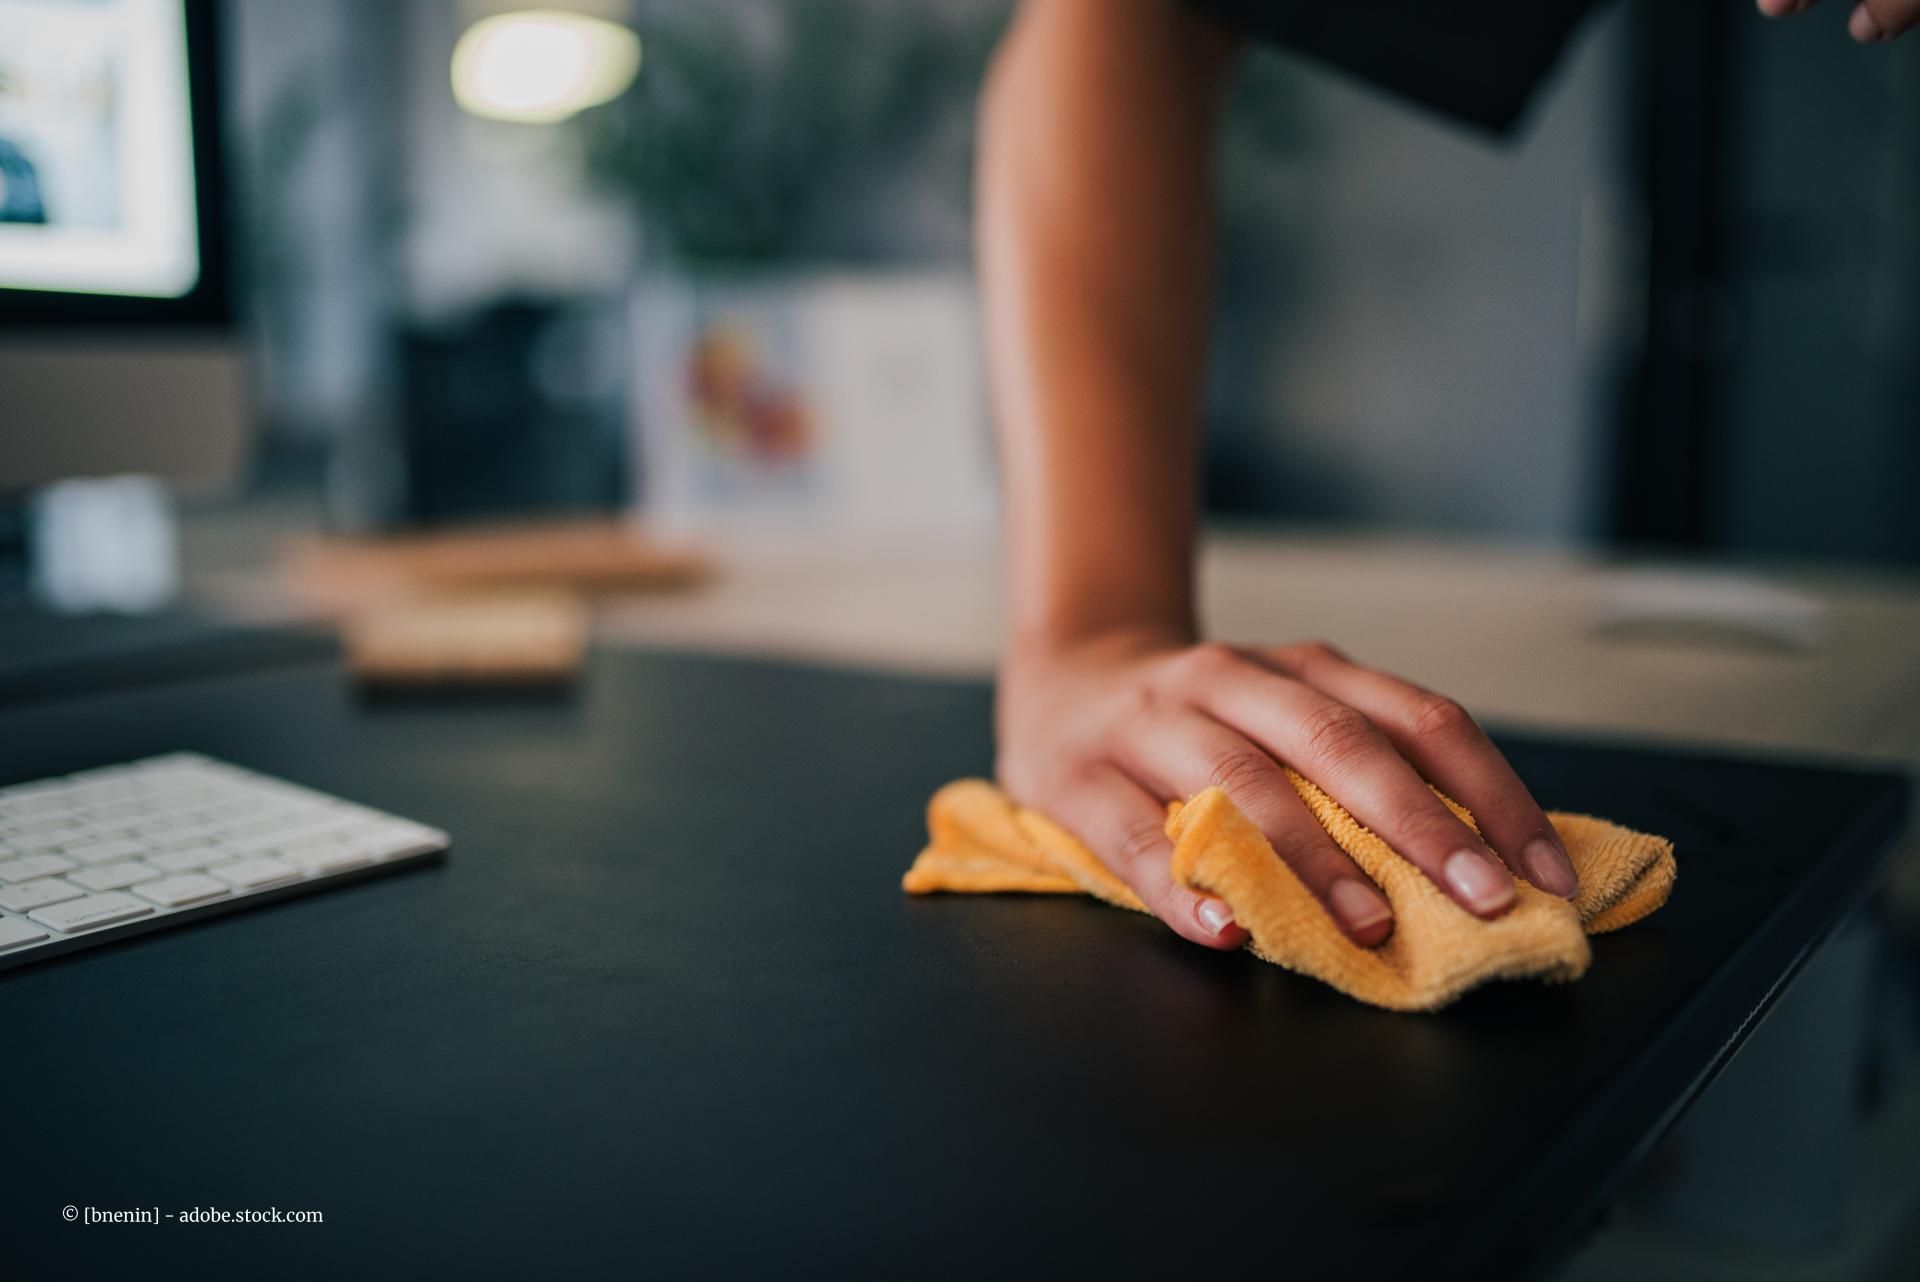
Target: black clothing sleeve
x=1480, y=62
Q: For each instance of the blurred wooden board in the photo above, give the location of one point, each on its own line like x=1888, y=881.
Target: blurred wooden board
x=515, y=639
x=341, y=574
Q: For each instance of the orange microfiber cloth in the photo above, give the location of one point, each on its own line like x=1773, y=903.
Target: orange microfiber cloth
x=981, y=843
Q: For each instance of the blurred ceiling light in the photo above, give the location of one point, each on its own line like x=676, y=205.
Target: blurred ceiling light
x=542, y=66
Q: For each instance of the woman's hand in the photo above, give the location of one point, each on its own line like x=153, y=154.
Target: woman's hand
x=1095, y=218
x=1870, y=20
x=1101, y=734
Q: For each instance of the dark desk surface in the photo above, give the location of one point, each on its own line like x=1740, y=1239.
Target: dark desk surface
x=665, y=1013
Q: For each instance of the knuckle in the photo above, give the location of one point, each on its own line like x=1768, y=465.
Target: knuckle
x=1241, y=772
x=1024, y=787
x=1141, y=841
x=1301, y=849
x=1436, y=830
x=1138, y=701
x=1337, y=735
x=1077, y=776
x=1320, y=652
x=1302, y=656
x=1439, y=716
x=1205, y=662
x=1059, y=787
x=1034, y=777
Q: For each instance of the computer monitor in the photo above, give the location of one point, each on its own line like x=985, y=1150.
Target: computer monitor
x=117, y=348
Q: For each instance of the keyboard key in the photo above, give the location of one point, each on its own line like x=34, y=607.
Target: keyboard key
x=40, y=843
x=15, y=933
x=192, y=859
x=52, y=802
x=332, y=857
x=321, y=827
x=29, y=895
x=104, y=852
x=265, y=846
x=235, y=809
x=35, y=866
x=92, y=912
x=315, y=841
x=255, y=874
x=59, y=821
x=114, y=876
x=193, y=837
x=265, y=824
x=178, y=892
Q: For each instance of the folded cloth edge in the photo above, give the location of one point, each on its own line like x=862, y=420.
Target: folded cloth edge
x=981, y=842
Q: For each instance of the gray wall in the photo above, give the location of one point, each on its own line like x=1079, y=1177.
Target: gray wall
x=1419, y=331
x=1824, y=407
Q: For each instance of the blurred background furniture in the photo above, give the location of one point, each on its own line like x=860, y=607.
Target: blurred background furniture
x=1520, y=635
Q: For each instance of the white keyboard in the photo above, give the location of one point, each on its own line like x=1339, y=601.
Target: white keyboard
x=111, y=852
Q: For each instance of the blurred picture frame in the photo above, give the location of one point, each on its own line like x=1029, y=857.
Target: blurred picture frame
x=831, y=401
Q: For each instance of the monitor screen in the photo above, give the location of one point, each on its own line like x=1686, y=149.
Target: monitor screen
x=96, y=149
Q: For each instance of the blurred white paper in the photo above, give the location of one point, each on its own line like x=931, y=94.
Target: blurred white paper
x=105, y=545
x=1709, y=606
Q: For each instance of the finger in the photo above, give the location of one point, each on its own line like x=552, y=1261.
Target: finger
x=1125, y=828
x=1444, y=743
x=1784, y=8
x=1873, y=20
x=1339, y=749
x=1183, y=753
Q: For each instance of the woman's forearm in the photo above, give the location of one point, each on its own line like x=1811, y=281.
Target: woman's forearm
x=1095, y=238
x=1095, y=227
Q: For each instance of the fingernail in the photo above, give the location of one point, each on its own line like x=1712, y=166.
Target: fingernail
x=1475, y=879
x=1861, y=25
x=1547, y=868
x=1214, y=915
x=1358, y=906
